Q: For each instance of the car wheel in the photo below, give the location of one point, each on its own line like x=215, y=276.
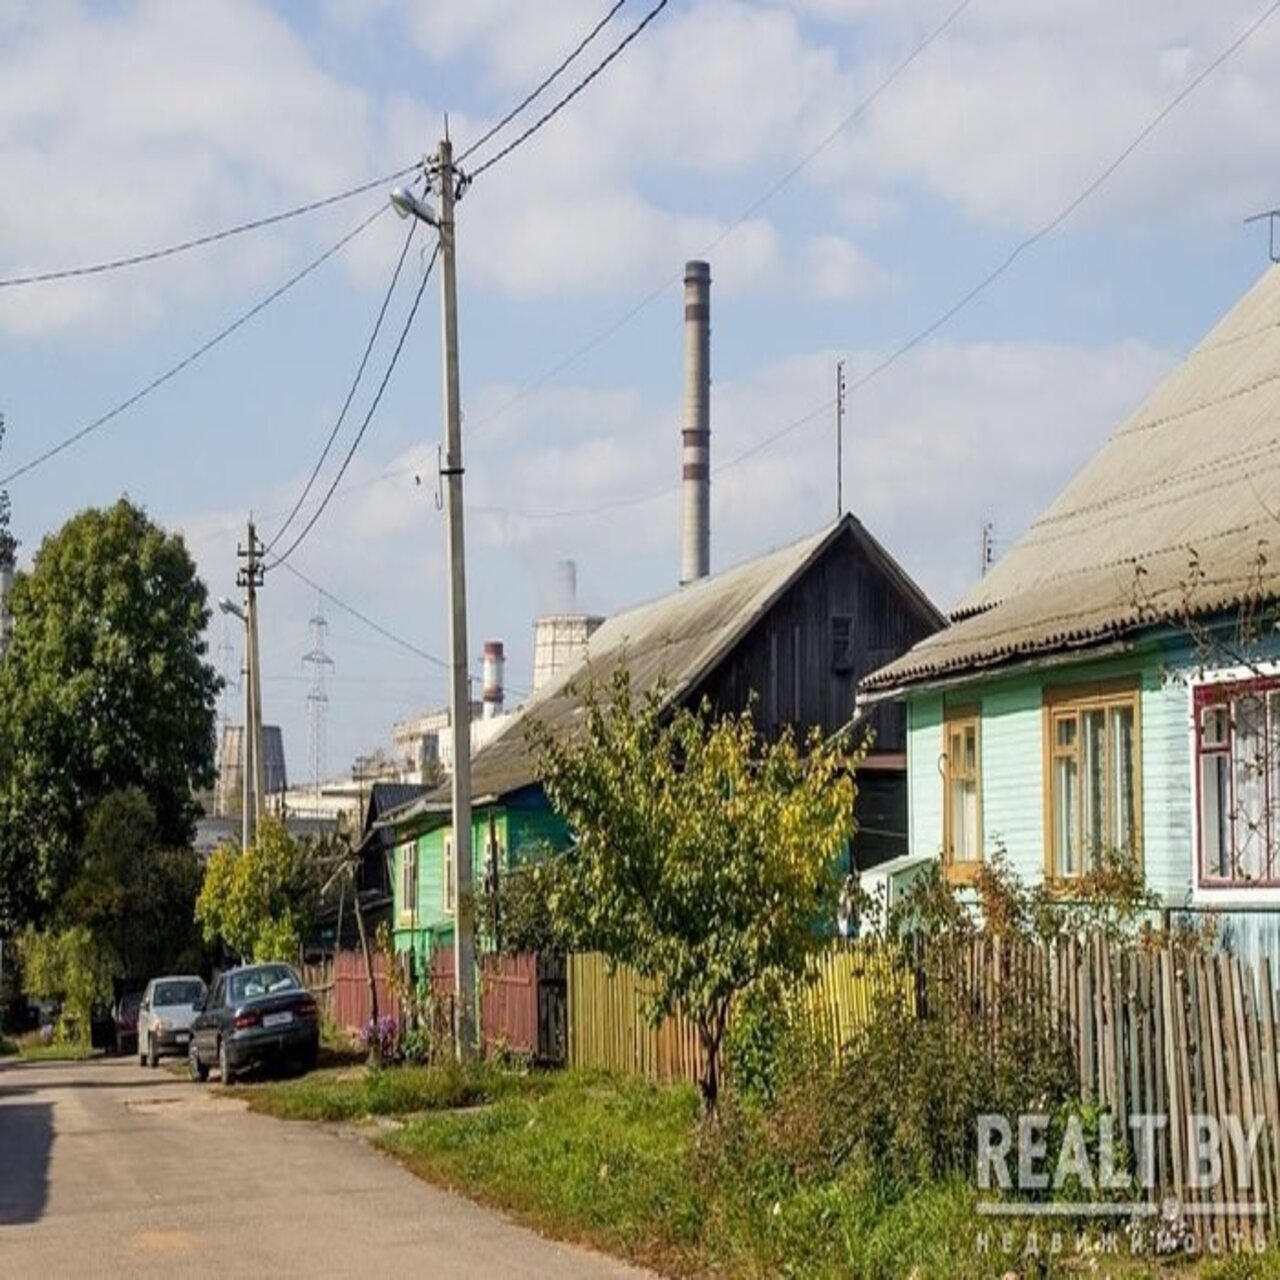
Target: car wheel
x=153, y=1054
x=195, y=1068
x=224, y=1063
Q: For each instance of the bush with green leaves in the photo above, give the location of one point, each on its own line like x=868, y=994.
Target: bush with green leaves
x=702, y=852
x=259, y=902
x=73, y=966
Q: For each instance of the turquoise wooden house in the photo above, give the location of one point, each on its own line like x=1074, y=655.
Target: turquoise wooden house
x=792, y=630
x=1114, y=681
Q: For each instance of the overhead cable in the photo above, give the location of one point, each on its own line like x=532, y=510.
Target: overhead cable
x=172, y=372
x=197, y=242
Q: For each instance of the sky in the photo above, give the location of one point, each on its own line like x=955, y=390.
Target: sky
x=733, y=130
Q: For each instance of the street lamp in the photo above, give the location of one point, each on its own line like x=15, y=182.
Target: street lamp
x=230, y=606
x=408, y=205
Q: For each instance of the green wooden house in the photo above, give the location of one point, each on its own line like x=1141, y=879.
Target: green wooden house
x=1113, y=682
x=793, y=630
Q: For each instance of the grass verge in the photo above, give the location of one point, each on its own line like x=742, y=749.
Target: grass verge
x=32, y=1047
x=352, y=1093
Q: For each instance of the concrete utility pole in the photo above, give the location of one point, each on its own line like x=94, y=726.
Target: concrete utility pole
x=251, y=577
x=464, y=932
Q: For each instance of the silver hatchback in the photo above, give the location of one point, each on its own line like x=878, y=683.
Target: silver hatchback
x=169, y=1007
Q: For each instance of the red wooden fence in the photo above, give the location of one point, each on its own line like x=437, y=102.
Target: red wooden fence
x=515, y=1011
x=341, y=986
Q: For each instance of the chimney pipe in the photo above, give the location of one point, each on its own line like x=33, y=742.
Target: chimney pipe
x=695, y=542
x=494, y=662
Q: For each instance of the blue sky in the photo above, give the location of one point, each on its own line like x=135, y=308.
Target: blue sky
x=128, y=125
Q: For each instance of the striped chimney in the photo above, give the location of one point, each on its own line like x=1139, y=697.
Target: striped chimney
x=695, y=542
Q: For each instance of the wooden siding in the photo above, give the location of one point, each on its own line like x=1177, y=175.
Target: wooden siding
x=1012, y=761
x=786, y=660
x=430, y=923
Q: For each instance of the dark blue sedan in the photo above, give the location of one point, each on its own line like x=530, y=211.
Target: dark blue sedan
x=256, y=1016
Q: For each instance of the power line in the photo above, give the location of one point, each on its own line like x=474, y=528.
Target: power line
x=532, y=96
x=213, y=237
x=977, y=289
x=407, y=645
x=368, y=417
x=205, y=347
x=355, y=383
x=555, y=110
x=772, y=190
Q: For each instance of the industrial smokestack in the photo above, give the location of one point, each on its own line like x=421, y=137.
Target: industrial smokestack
x=494, y=663
x=695, y=541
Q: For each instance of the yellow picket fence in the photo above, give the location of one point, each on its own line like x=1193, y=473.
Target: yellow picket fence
x=608, y=1029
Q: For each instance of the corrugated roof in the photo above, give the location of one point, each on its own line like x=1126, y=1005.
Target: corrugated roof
x=677, y=639
x=1192, y=478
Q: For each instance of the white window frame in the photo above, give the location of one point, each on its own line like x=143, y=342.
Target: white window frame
x=1221, y=894
x=449, y=894
x=408, y=879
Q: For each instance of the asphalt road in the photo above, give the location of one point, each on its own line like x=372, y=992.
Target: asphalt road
x=108, y=1169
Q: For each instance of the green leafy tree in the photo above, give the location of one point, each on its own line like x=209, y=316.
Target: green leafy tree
x=134, y=895
x=105, y=686
x=260, y=902
x=704, y=857
x=70, y=965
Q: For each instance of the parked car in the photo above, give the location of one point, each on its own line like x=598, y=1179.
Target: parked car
x=126, y=1016
x=102, y=1027
x=169, y=1007
x=258, y=1015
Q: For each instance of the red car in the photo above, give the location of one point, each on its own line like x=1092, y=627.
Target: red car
x=126, y=1019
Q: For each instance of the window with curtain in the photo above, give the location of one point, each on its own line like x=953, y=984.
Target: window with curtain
x=962, y=818
x=1238, y=780
x=1092, y=779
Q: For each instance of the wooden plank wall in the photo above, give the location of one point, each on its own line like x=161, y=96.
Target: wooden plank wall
x=608, y=1029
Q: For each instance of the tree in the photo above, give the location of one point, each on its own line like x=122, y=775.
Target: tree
x=137, y=897
x=105, y=686
x=260, y=902
x=703, y=856
x=70, y=965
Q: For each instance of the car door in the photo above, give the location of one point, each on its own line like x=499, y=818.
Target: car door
x=144, y=1017
x=205, y=1029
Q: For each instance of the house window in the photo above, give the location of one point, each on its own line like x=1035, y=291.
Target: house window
x=962, y=815
x=841, y=643
x=1238, y=779
x=450, y=896
x=1093, y=778
x=408, y=878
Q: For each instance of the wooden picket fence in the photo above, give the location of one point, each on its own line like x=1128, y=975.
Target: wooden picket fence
x=1152, y=1031
x=608, y=1029
x=1165, y=1032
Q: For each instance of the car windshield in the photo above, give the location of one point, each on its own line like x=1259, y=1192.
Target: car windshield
x=263, y=981
x=188, y=992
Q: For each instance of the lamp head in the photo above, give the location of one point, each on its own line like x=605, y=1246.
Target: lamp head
x=407, y=205
x=230, y=606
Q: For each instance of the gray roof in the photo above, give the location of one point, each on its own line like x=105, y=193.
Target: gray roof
x=1192, y=478
x=678, y=639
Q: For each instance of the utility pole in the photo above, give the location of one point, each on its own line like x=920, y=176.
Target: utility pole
x=251, y=577
x=840, y=389
x=464, y=939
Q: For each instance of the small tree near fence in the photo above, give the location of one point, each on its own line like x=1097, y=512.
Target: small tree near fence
x=703, y=856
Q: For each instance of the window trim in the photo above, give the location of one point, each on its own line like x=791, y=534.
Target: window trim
x=1209, y=693
x=955, y=717
x=409, y=859
x=1093, y=695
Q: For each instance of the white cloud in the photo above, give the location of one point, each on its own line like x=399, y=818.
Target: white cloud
x=140, y=126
